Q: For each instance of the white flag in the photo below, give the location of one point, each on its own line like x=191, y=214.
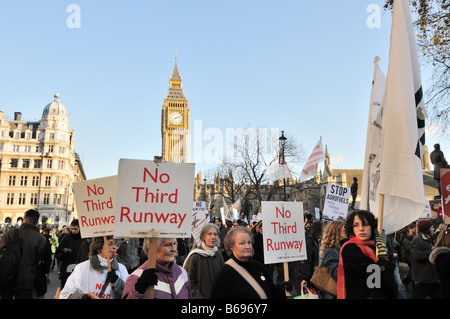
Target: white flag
x=371, y=172
x=403, y=125
x=310, y=168
x=277, y=171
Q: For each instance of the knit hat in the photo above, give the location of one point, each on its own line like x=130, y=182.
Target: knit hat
x=424, y=225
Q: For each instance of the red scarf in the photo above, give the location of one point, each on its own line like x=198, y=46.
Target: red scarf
x=365, y=246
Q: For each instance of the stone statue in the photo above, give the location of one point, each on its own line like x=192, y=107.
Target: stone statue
x=438, y=160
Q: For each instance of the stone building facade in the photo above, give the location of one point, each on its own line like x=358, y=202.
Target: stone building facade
x=38, y=164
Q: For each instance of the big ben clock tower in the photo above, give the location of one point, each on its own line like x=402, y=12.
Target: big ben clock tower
x=175, y=121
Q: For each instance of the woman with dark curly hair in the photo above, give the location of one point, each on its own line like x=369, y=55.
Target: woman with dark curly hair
x=363, y=272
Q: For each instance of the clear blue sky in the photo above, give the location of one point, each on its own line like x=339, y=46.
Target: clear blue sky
x=304, y=67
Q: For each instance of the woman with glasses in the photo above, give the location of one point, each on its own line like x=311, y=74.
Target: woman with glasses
x=170, y=281
x=91, y=278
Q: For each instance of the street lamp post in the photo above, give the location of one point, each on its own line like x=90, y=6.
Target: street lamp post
x=282, y=144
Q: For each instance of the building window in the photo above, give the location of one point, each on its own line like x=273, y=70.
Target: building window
x=22, y=197
x=61, y=164
x=25, y=163
x=48, y=180
x=11, y=180
x=16, y=148
x=46, y=199
x=57, y=199
x=51, y=136
x=35, y=181
x=28, y=135
x=14, y=162
x=49, y=163
x=33, y=199
x=10, y=199
x=23, y=180
x=37, y=163
x=27, y=148
x=50, y=148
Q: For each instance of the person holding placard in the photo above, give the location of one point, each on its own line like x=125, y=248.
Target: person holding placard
x=91, y=278
x=163, y=277
x=242, y=277
x=362, y=272
x=204, y=262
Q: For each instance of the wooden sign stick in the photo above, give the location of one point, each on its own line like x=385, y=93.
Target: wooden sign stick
x=151, y=254
x=286, y=275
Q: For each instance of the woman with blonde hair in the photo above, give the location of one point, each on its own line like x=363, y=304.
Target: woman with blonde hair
x=170, y=280
x=330, y=246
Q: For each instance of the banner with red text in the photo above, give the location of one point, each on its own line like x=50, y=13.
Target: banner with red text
x=96, y=206
x=154, y=199
x=284, y=232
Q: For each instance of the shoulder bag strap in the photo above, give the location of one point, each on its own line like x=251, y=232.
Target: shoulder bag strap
x=245, y=274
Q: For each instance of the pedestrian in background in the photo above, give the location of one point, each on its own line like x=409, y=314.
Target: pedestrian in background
x=202, y=263
x=358, y=260
x=128, y=254
x=303, y=270
x=440, y=257
x=423, y=272
x=67, y=251
x=35, y=261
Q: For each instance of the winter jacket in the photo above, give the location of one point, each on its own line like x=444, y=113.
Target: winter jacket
x=36, y=257
x=229, y=284
x=356, y=270
x=173, y=283
x=440, y=257
x=422, y=271
x=201, y=269
x=330, y=261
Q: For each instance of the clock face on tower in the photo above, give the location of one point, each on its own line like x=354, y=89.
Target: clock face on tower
x=175, y=118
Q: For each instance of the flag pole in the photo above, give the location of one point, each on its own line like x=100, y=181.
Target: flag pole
x=380, y=217
x=380, y=213
x=365, y=187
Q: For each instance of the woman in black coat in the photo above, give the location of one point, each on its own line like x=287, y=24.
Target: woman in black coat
x=363, y=273
x=440, y=257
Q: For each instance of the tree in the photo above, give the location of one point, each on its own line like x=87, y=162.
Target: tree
x=255, y=152
x=433, y=32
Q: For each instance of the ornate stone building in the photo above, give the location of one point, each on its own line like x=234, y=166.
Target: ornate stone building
x=175, y=121
x=38, y=164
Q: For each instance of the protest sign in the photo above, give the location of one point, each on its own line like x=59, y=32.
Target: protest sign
x=96, y=204
x=154, y=199
x=284, y=232
x=445, y=197
x=336, y=202
x=198, y=220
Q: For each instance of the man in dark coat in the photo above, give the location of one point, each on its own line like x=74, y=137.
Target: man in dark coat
x=67, y=251
x=35, y=262
x=423, y=272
